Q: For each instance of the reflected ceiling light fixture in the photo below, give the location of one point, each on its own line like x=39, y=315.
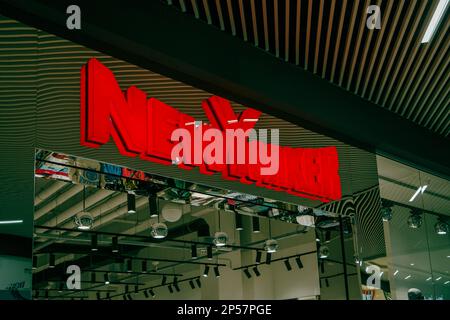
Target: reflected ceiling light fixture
x=238, y=221
x=428, y=279
x=152, y=293
x=206, y=271
x=177, y=287
x=106, y=277
x=51, y=260
x=447, y=282
x=153, y=206
x=164, y=280
x=220, y=237
x=199, y=283
x=131, y=202
x=115, y=244
x=438, y=278
x=170, y=288
x=324, y=252
x=194, y=251
x=191, y=283
x=61, y=287
x=415, y=219
x=420, y=190
x=407, y=277
x=255, y=225
x=256, y=271
x=441, y=227
x=159, y=230
x=258, y=257
x=386, y=210
x=10, y=221
x=84, y=220
x=145, y=294
x=94, y=242
x=129, y=265
x=46, y=294
x=327, y=283
x=247, y=273
x=209, y=253
x=98, y=295
x=136, y=289
x=216, y=272
x=298, y=260
x=129, y=297
x=271, y=245
x=93, y=277
x=35, y=262
x=268, y=258
x=124, y=297
x=435, y=20
x=144, y=266
x=108, y=296
x=127, y=288
x=288, y=265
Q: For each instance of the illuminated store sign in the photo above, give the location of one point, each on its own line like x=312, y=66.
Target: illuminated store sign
x=229, y=144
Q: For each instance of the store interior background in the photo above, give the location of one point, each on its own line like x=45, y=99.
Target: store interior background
x=48, y=118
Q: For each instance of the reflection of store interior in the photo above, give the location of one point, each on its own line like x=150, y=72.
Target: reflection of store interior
x=135, y=236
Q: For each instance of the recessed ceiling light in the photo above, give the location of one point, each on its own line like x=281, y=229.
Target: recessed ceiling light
x=10, y=221
x=411, y=264
x=395, y=273
x=407, y=277
x=447, y=282
x=438, y=278
x=435, y=20
x=428, y=279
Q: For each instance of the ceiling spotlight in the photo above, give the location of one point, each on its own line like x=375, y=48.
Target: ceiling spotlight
x=159, y=230
x=415, y=220
x=247, y=273
x=144, y=266
x=152, y=293
x=441, y=227
x=258, y=257
x=324, y=252
x=220, y=239
x=216, y=272
x=206, y=271
x=271, y=245
x=268, y=258
x=129, y=265
x=288, y=265
x=193, y=251
x=131, y=200
x=256, y=271
x=191, y=283
x=199, y=283
x=145, y=294
x=209, y=253
x=115, y=245
x=386, y=210
x=170, y=288
x=106, y=278
x=255, y=225
x=164, y=280
x=84, y=221
x=51, y=260
x=238, y=221
x=153, y=206
x=94, y=242
x=298, y=260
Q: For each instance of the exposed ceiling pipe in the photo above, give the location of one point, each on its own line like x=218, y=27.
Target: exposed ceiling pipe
x=69, y=213
x=48, y=192
x=58, y=201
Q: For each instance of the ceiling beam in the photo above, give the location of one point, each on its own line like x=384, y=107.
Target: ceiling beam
x=156, y=37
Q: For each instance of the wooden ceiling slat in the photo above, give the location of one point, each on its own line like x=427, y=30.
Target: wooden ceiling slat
x=266, y=28
x=207, y=11
x=362, y=27
x=348, y=40
x=231, y=16
x=297, y=32
x=392, y=95
x=376, y=50
x=277, y=33
x=430, y=60
x=429, y=113
x=308, y=33
x=243, y=24
x=220, y=14
x=286, y=32
x=195, y=8
x=386, y=47
x=404, y=31
x=318, y=35
x=183, y=6
x=443, y=125
x=255, y=26
x=327, y=43
x=338, y=40
x=440, y=110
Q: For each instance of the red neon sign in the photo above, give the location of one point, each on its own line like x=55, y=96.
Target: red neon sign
x=144, y=127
